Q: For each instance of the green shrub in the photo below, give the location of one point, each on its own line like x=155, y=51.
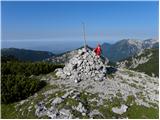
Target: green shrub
x=18, y=87
x=141, y=112
x=28, y=68
x=15, y=82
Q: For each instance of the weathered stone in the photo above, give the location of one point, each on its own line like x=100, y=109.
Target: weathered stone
x=59, y=72
x=81, y=108
x=68, y=73
x=41, y=110
x=101, y=75
x=65, y=114
x=79, y=63
x=87, y=68
x=74, y=66
x=77, y=80
x=65, y=95
x=120, y=110
x=94, y=112
x=97, y=79
x=84, y=66
x=83, y=114
x=52, y=112
x=57, y=101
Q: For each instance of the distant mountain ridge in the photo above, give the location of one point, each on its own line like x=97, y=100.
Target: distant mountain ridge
x=114, y=52
x=25, y=54
x=126, y=48
x=146, y=61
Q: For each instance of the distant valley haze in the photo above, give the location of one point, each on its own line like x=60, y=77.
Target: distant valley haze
x=52, y=46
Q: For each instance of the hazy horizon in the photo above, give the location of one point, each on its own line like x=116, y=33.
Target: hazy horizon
x=53, y=25
x=55, y=47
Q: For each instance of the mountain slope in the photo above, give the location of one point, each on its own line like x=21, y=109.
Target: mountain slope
x=74, y=92
x=120, y=94
x=106, y=49
x=126, y=48
x=26, y=55
x=146, y=61
x=150, y=43
x=65, y=57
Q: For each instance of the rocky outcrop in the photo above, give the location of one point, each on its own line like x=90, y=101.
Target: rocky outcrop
x=135, y=61
x=84, y=66
x=54, y=112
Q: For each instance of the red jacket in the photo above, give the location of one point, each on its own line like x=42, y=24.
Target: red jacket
x=97, y=50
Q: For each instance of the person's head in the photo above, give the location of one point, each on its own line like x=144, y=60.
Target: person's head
x=98, y=45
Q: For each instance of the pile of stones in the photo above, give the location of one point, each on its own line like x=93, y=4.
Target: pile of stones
x=86, y=65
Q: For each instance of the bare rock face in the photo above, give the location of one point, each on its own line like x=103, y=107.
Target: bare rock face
x=84, y=65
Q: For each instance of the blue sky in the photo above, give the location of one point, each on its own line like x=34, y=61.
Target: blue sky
x=61, y=21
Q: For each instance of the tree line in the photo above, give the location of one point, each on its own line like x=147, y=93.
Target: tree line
x=16, y=83
x=28, y=68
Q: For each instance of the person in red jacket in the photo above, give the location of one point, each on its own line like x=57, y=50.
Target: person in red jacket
x=97, y=50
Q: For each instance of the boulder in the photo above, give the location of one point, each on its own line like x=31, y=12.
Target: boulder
x=94, y=113
x=52, y=112
x=79, y=63
x=120, y=110
x=65, y=114
x=57, y=101
x=65, y=95
x=59, y=72
x=77, y=80
x=41, y=110
x=81, y=108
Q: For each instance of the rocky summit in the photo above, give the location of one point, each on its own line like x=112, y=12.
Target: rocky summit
x=86, y=65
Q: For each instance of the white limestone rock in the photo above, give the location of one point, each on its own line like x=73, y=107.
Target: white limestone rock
x=120, y=110
x=81, y=108
x=57, y=100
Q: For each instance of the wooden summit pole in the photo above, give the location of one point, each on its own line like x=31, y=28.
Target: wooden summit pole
x=84, y=35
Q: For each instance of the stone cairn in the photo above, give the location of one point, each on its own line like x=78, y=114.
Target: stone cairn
x=86, y=65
